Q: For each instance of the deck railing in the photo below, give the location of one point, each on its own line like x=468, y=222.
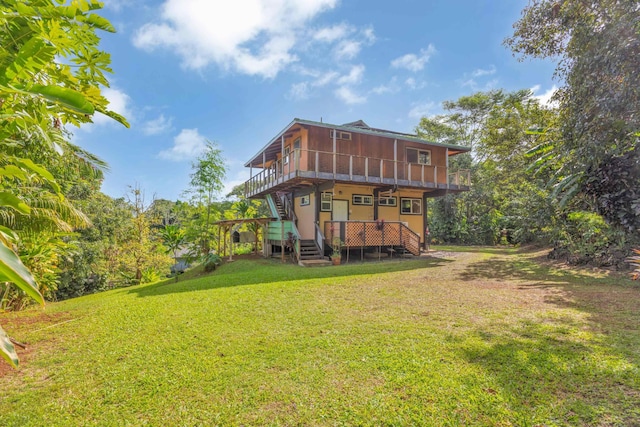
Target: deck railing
x=372, y=234
x=350, y=167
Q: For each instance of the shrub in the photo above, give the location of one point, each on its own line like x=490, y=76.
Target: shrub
x=585, y=238
x=211, y=261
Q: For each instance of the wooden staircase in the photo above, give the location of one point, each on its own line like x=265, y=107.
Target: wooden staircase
x=282, y=212
x=310, y=255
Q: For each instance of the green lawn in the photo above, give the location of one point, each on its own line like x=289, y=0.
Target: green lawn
x=480, y=337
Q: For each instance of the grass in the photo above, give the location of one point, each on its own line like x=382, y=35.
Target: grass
x=481, y=337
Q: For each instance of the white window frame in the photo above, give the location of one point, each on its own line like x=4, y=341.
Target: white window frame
x=418, y=152
x=305, y=200
x=362, y=199
x=413, y=204
x=326, y=202
x=287, y=153
x=388, y=201
x=340, y=135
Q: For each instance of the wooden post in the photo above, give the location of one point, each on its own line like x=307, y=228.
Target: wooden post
x=282, y=241
x=425, y=220
x=409, y=166
x=317, y=163
x=422, y=176
x=335, y=145
x=395, y=160
x=351, y=167
x=231, y=243
x=366, y=169
x=381, y=170
x=446, y=174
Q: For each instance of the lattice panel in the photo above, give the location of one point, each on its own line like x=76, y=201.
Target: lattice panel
x=355, y=234
x=371, y=234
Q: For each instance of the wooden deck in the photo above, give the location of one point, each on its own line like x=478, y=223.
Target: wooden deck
x=367, y=234
x=305, y=167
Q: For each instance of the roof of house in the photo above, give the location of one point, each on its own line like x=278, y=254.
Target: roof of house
x=358, y=126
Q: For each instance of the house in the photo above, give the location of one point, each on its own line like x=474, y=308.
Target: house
x=361, y=187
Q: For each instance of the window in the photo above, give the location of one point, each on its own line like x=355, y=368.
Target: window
x=305, y=200
x=387, y=201
x=287, y=151
x=340, y=135
x=296, y=144
x=326, y=202
x=411, y=206
x=421, y=157
x=360, y=199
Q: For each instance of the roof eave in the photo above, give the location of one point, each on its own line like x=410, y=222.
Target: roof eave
x=403, y=137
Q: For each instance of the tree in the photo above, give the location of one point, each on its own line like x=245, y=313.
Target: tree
x=504, y=195
x=598, y=47
x=173, y=238
x=206, y=183
x=141, y=253
x=51, y=71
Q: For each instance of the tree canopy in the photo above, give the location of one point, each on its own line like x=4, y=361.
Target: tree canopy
x=597, y=44
x=51, y=74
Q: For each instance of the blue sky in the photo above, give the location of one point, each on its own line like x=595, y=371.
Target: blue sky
x=236, y=72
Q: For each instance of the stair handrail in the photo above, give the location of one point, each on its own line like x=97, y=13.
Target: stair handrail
x=288, y=207
x=412, y=235
x=319, y=239
x=272, y=206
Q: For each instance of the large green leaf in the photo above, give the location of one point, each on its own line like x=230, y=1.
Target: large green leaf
x=13, y=270
x=64, y=96
x=115, y=116
x=7, y=234
x=12, y=171
x=12, y=201
x=40, y=171
x=33, y=55
x=97, y=21
x=7, y=350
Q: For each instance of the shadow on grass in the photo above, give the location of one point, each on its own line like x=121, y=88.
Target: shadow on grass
x=527, y=267
x=545, y=374
x=562, y=367
x=251, y=272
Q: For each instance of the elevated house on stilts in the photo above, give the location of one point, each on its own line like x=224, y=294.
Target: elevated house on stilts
x=353, y=186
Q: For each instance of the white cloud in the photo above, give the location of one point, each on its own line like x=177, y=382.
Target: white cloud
x=187, y=145
x=157, y=126
x=119, y=102
x=299, y=91
x=348, y=96
x=545, y=98
x=240, y=177
x=391, y=87
x=347, y=49
x=332, y=34
x=471, y=83
x=481, y=72
x=369, y=35
x=354, y=76
x=413, y=62
x=414, y=84
x=254, y=37
x=326, y=78
x=471, y=79
x=421, y=110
